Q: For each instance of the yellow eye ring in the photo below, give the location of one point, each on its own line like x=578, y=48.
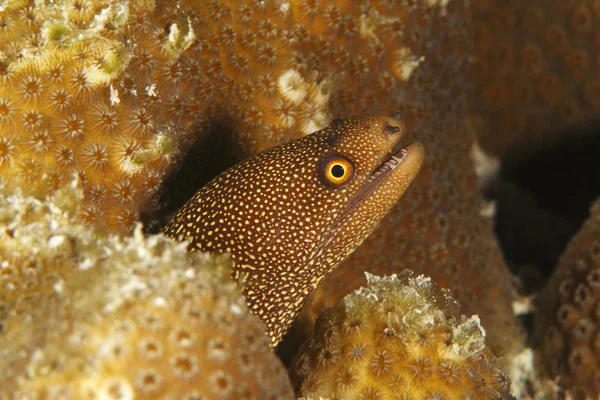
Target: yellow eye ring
x=336, y=170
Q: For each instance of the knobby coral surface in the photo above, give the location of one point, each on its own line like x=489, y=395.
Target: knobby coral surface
x=436, y=228
x=568, y=318
x=534, y=71
x=399, y=337
x=118, y=90
x=89, y=316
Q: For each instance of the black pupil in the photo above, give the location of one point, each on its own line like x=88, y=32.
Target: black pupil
x=337, y=171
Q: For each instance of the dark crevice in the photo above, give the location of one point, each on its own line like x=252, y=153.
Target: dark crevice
x=543, y=199
x=217, y=148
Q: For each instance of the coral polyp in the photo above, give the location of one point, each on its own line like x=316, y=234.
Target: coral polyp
x=83, y=315
x=567, y=330
x=399, y=337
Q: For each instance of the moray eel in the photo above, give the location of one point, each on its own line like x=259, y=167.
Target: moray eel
x=291, y=214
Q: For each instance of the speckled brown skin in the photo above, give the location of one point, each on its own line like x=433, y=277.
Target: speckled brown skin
x=285, y=224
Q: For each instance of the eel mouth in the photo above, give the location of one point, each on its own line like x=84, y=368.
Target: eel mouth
x=382, y=173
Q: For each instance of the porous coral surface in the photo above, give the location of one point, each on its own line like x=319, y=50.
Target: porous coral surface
x=89, y=316
x=399, y=337
x=436, y=227
x=118, y=90
x=534, y=71
x=82, y=89
x=567, y=328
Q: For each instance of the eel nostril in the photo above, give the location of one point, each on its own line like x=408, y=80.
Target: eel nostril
x=391, y=129
x=397, y=115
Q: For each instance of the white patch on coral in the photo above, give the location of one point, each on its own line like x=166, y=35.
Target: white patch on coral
x=166, y=143
x=56, y=241
x=292, y=86
x=189, y=273
x=59, y=286
x=174, y=34
x=488, y=209
x=117, y=14
x=114, y=96
x=134, y=163
x=405, y=62
x=151, y=90
x=36, y=359
x=284, y=8
x=367, y=26
x=468, y=338
x=314, y=124
x=177, y=43
x=236, y=309
x=121, y=386
x=312, y=117
x=87, y=263
x=113, y=63
x=321, y=93
x=487, y=167
x=522, y=373
x=441, y=3
x=523, y=305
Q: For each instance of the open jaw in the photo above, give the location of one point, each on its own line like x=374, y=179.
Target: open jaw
x=377, y=177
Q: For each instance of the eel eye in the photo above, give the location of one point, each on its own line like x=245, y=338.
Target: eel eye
x=336, y=171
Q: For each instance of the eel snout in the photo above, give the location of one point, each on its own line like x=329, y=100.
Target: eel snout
x=394, y=125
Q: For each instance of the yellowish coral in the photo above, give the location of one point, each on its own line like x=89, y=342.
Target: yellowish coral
x=567, y=327
x=118, y=90
x=69, y=102
x=400, y=337
x=88, y=316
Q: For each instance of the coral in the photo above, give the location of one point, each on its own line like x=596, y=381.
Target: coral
x=436, y=228
x=118, y=90
x=534, y=71
x=399, y=337
x=89, y=316
x=69, y=102
x=567, y=327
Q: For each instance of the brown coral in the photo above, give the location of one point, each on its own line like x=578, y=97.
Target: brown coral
x=534, y=71
x=567, y=320
x=400, y=337
x=86, y=316
x=436, y=229
x=116, y=90
x=142, y=80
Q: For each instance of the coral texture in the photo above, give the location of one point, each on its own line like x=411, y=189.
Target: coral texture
x=399, y=337
x=534, y=71
x=436, y=229
x=118, y=90
x=567, y=327
x=89, y=316
x=82, y=89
